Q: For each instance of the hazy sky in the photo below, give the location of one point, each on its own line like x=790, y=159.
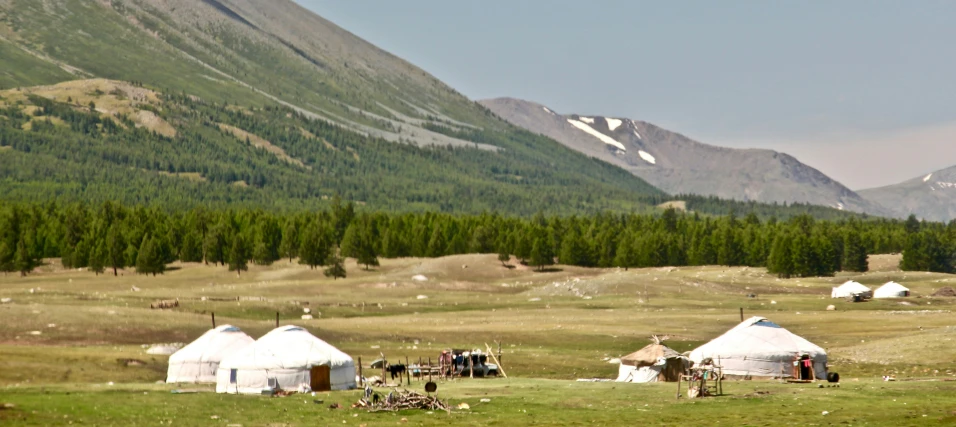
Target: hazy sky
x=864, y=90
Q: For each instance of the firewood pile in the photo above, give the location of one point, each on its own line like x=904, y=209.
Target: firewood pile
x=398, y=400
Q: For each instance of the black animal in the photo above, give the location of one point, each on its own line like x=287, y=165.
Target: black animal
x=396, y=370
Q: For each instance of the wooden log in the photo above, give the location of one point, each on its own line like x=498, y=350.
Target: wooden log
x=361, y=379
x=501, y=369
x=471, y=365
x=213, y=320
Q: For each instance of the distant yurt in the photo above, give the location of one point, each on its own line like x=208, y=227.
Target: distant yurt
x=288, y=358
x=891, y=290
x=653, y=363
x=851, y=288
x=199, y=361
x=759, y=348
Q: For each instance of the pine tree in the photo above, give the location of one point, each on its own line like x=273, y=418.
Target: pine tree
x=289, y=248
x=574, y=250
x=504, y=255
x=541, y=253
x=115, y=249
x=336, y=268
x=238, y=258
x=98, y=258
x=149, y=260
x=625, y=255
x=854, y=252
x=215, y=246
x=191, y=250
x=23, y=260
x=803, y=257
x=780, y=261
x=437, y=243
x=6, y=258
x=316, y=245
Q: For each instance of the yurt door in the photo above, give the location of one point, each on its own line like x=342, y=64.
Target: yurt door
x=321, y=378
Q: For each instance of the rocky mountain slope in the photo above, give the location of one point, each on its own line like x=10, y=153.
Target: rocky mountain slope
x=931, y=197
x=680, y=165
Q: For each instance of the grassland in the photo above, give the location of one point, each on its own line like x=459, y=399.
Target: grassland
x=64, y=341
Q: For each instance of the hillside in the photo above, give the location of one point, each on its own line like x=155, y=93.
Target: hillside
x=680, y=165
x=355, y=104
x=210, y=68
x=931, y=197
x=96, y=140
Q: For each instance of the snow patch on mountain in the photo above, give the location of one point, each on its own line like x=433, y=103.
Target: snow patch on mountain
x=600, y=136
x=927, y=177
x=547, y=110
x=588, y=120
x=613, y=124
x=647, y=157
x=637, y=135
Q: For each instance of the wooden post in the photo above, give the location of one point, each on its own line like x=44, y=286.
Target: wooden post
x=498, y=359
x=384, y=362
x=421, y=373
x=277, y=319
x=213, y=320
x=429, y=369
x=741, y=314
x=679, y=378
x=408, y=372
x=361, y=380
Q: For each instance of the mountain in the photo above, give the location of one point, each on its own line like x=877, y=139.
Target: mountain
x=680, y=165
x=224, y=102
x=931, y=197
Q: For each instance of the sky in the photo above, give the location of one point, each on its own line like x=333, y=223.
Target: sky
x=863, y=90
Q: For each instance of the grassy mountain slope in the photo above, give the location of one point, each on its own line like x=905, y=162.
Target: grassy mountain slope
x=254, y=55
x=101, y=139
x=216, y=69
x=931, y=197
x=680, y=165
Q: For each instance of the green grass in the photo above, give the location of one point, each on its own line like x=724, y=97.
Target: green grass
x=512, y=402
x=91, y=324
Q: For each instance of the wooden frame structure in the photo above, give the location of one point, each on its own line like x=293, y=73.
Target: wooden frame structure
x=702, y=381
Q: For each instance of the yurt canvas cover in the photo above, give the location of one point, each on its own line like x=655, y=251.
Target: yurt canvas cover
x=288, y=358
x=891, y=290
x=198, y=361
x=653, y=363
x=758, y=347
x=849, y=289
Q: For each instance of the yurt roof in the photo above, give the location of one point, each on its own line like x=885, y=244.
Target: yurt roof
x=756, y=338
x=893, y=286
x=852, y=286
x=215, y=344
x=649, y=355
x=287, y=347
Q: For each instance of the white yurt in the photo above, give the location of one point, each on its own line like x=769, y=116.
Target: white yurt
x=891, y=290
x=198, y=361
x=288, y=358
x=849, y=289
x=758, y=347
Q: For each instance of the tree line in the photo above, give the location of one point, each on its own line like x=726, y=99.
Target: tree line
x=110, y=236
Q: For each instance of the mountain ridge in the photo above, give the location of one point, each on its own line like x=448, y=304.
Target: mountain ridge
x=678, y=164
x=931, y=197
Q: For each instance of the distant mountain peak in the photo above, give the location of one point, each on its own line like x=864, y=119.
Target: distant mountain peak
x=680, y=165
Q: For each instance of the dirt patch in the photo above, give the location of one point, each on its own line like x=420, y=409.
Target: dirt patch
x=151, y=121
x=259, y=143
x=945, y=292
